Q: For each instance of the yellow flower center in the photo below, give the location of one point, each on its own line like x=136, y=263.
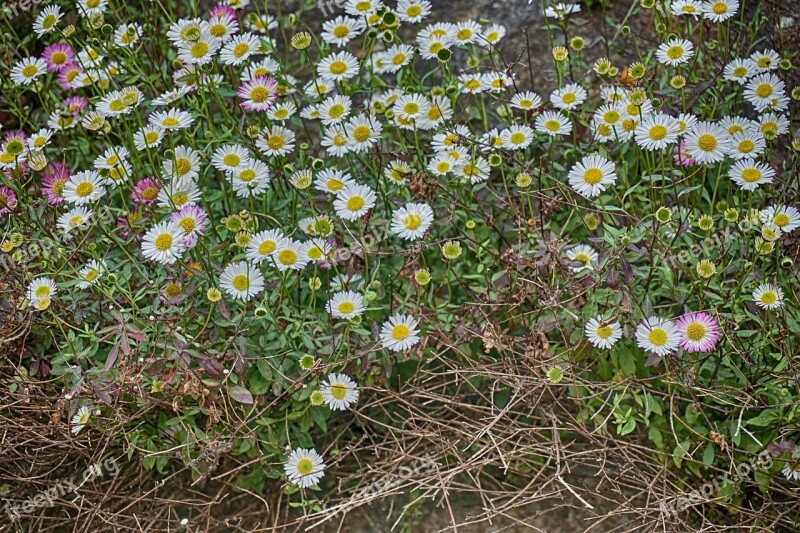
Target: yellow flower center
x=339, y=140
x=399, y=59
x=764, y=62
x=58, y=58
x=413, y=11
x=217, y=30
x=582, y=258
x=150, y=137
x=314, y=253
x=764, y=90
x=611, y=117
x=781, y=220
x=604, y=332
x=740, y=72
x=305, y=466
x=592, y=176
x=335, y=185
x=43, y=290
x=720, y=8
x=75, y=221
x=179, y=199
x=48, y=21
x=569, y=98
x=412, y=221
x=84, y=189
x=247, y=175
x=707, y=142
x=464, y=34
x=746, y=146
x=751, y=175
x=346, y=308
x=552, y=125
x=259, y=94
x=182, y=166
x=443, y=166
x=361, y=133
x=170, y=122
x=400, y=332
x=657, y=337
x=163, y=242
x=338, y=67
x=275, y=142
x=355, y=203
x=232, y=160
x=266, y=248
x=341, y=31
x=517, y=138
x=198, y=50
x=29, y=71
x=338, y=391
x=473, y=84
x=658, y=132
x=336, y=111
x=241, y=49
x=150, y=194
x=287, y=257
x=240, y=282
x=695, y=331
x=769, y=298
x=91, y=275
x=675, y=52
x=187, y=224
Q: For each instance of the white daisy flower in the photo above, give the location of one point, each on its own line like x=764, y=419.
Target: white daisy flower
x=553, y=124
x=584, y=255
x=412, y=221
x=74, y=218
x=708, y=142
x=84, y=187
x=184, y=165
x=658, y=336
x=413, y=11
x=765, y=60
x=785, y=217
x=289, y=255
x=148, y=137
x=339, y=391
x=747, y=144
x=346, y=305
x=749, y=174
x=200, y=51
x=230, y=157
x=40, y=288
x=334, y=109
x=317, y=250
x=362, y=132
x=80, y=419
x=517, y=137
x=341, y=30
x=602, y=333
x=361, y=8
x=282, y=111
x=568, y=97
x=171, y=120
x=47, y=20
x=89, y=8
x=276, y=140
x=763, y=91
x=768, y=296
x=338, y=66
x=467, y=32
x=656, y=132
x=687, y=7
x=242, y=281
x=674, y=52
x=476, y=169
x=263, y=244
x=223, y=27
x=91, y=273
x=126, y=35
x=590, y=176
x=719, y=10
x=40, y=139
x=492, y=35
x=304, y=467
x=354, y=201
x=164, y=243
x=396, y=58
x=332, y=181
x=336, y=141
x=472, y=83
x=527, y=101
x=111, y=158
x=178, y=193
x=28, y=69
x=251, y=179
x=239, y=49
x=739, y=70
x=772, y=125
x=400, y=332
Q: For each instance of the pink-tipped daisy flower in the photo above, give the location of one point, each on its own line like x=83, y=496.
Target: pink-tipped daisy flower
x=699, y=332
